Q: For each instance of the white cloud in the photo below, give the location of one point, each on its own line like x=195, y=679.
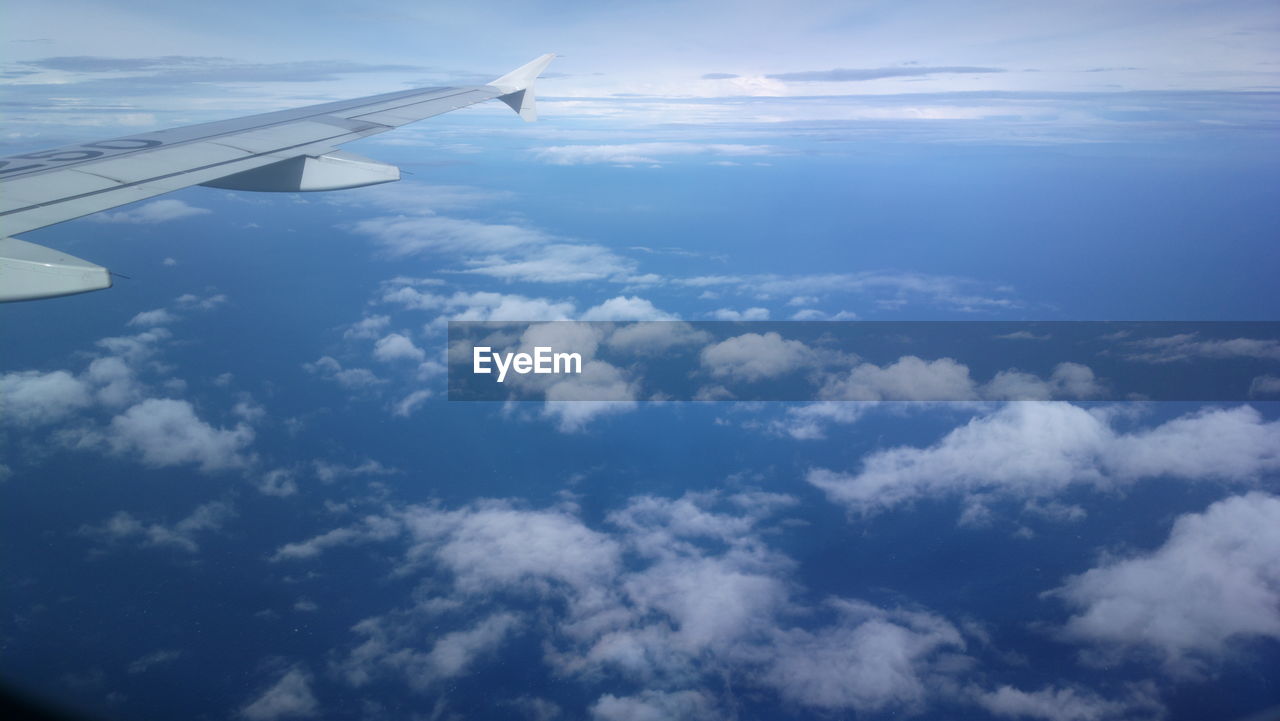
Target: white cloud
x=394, y=347
x=1186, y=346
x=656, y=706
x=1212, y=586
x=329, y=368
x=625, y=308
x=329, y=472
x=810, y=421
x=643, y=153
x=182, y=535
x=908, y=379
x=160, y=316
x=1264, y=386
x=654, y=338
x=30, y=398
x=290, y=697
x=368, y=327
x=1030, y=449
x=1070, y=704
x=370, y=529
x=753, y=357
x=279, y=482
x=872, y=660
x=151, y=660
x=402, y=236
x=190, y=300
x=157, y=211
x=554, y=263
x=167, y=432
x=678, y=594
x=405, y=407
x=740, y=315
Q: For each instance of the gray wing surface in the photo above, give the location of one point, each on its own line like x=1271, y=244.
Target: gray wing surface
x=286, y=151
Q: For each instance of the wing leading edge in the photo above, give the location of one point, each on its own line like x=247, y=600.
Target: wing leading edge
x=285, y=151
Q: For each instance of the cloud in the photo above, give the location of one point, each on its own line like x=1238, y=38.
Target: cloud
x=673, y=595
x=625, y=308
x=847, y=75
x=401, y=236
x=872, y=660
x=889, y=290
x=371, y=529
x=644, y=153
x=482, y=305
x=395, y=347
x=351, y=378
x=290, y=697
x=1031, y=450
x=329, y=472
x=405, y=407
x=368, y=327
x=1212, y=586
x=167, y=432
x=810, y=421
x=754, y=357
x=719, y=76
x=554, y=263
x=30, y=398
x=123, y=526
x=740, y=315
x=151, y=660
x=1187, y=346
x=1267, y=385
x=280, y=483
x=160, y=316
x=656, y=706
x=908, y=379
x=156, y=211
x=1070, y=704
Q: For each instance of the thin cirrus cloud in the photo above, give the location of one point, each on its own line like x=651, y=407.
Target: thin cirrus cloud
x=847, y=75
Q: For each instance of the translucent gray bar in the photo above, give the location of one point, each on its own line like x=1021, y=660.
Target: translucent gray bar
x=628, y=361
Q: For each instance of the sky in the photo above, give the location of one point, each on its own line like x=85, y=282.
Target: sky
x=233, y=485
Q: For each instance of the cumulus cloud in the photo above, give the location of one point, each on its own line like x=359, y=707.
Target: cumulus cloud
x=1213, y=585
x=754, y=357
x=31, y=398
x=1031, y=449
x=395, y=346
x=625, y=308
x=289, y=697
x=152, y=213
x=908, y=379
x=675, y=594
x=742, y=315
x=167, y=432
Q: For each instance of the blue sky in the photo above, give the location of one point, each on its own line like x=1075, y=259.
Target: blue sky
x=232, y=487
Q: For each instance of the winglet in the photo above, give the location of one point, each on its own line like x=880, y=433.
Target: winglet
x=517, y=87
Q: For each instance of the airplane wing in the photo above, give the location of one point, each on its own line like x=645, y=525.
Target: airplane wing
x=285, y=151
